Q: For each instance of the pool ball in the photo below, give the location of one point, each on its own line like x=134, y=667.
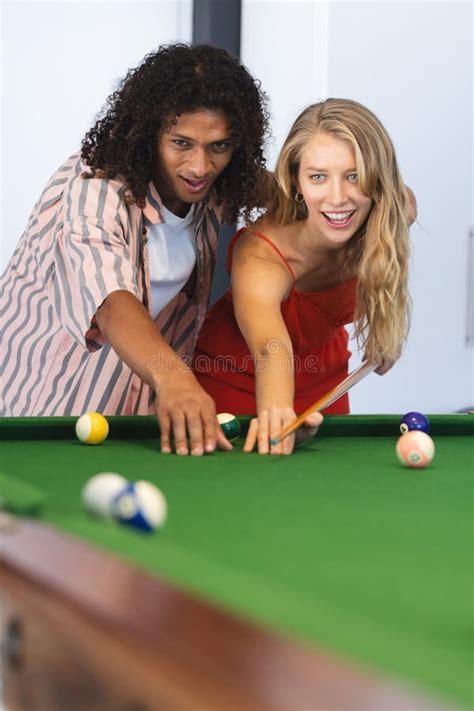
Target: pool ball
x=92, y=428
x=229, y=425
x=415, y=449
x=99, y=492
x=414, y=421
x=140, y=505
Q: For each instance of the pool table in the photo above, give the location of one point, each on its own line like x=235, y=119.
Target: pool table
x=334, y=578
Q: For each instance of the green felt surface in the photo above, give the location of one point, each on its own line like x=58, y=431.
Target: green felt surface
x=337, y=544
x=19, y=497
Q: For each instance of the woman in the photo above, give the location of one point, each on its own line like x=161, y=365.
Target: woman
x=332, y=248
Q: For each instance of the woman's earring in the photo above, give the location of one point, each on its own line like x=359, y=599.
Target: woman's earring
x=299, y=198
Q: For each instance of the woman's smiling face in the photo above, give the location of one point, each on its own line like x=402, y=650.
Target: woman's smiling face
x=329, y=183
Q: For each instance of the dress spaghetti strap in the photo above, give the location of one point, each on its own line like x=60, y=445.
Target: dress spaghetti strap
x=275, y=248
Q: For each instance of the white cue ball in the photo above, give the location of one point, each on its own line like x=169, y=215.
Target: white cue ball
x=99, y=492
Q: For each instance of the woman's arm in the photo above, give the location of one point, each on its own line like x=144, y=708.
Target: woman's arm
x=259, y=285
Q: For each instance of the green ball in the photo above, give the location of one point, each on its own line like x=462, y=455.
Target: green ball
x=229, y=425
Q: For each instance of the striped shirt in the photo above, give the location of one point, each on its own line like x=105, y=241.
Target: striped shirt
x=81, y=243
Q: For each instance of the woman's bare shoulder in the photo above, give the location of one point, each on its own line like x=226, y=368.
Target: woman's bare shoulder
x=256, y=237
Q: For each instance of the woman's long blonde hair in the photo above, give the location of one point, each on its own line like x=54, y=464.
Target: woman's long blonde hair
x=379, y=252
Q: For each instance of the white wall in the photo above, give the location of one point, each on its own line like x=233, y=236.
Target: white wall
x=60, y=61
x=284, y=44
x=411, y=63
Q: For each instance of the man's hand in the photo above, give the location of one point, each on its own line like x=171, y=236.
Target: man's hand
x=183, y=408
x=385, y=366
x=269, y=424
x=412, y=210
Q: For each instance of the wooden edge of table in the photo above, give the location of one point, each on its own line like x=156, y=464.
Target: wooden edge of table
x=258, y=669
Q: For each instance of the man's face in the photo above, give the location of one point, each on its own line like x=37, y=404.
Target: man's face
x=190, y=155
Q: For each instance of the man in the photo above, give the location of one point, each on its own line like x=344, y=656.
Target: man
x=104, y=296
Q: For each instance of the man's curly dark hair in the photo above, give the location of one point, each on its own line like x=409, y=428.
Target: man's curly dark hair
x=178, y=79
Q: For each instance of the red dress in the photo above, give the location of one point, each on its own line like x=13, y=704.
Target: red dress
x=315, y=322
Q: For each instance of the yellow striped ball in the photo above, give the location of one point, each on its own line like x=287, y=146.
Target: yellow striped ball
x=92, y=428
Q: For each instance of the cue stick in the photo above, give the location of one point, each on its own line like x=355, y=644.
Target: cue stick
x=352, y=379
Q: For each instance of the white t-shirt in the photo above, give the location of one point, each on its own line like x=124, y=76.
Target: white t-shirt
x=172, y=256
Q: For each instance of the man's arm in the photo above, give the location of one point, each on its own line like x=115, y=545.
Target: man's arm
x=264, y=188
x=182, y=404
x=412, y=212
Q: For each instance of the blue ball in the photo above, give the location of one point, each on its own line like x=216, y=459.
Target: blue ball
x=414, y=421
x=140, y=505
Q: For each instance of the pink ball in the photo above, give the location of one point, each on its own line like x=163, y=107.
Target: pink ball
x=415, y=449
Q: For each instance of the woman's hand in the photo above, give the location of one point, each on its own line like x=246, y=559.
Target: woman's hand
x=269, y=424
